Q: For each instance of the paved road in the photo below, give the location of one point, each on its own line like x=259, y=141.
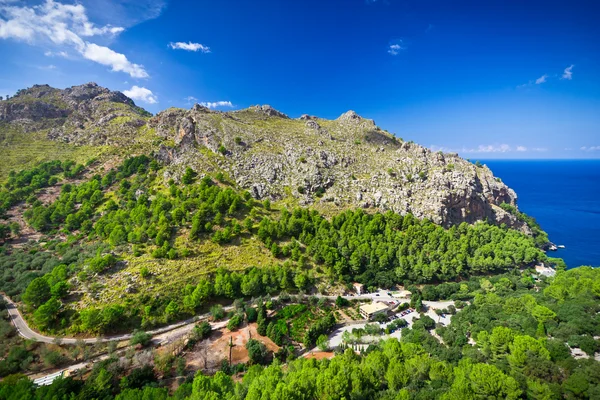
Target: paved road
x=28, y=333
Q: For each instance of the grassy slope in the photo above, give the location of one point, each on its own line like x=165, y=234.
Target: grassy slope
x=23, y=150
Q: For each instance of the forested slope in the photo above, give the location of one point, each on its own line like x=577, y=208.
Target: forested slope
x=141, y=247
x=512, y=342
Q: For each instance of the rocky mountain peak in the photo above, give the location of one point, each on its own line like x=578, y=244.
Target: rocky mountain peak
x=269, y=111
x=84, y=114
x=200, y=108
x=351, y=117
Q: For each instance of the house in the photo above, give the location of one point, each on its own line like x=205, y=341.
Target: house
x=368, y=311
x=402, y=294
x=359, y=288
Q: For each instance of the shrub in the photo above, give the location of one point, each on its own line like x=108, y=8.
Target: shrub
x=234, y=322
x=201, y=331
x=217, y=312
x=140, y=337
x=251, y=314
x=257, y=352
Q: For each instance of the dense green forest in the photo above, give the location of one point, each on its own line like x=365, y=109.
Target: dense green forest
x=129, y=210
x=509, y=340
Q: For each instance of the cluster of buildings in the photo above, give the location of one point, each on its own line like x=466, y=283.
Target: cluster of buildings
x=379, y=306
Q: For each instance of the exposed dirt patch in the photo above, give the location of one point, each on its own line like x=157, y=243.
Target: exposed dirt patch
x=26, y=233
x=320, y=355
x=208, y=354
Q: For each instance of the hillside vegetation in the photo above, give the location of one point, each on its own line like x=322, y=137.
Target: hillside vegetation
x=513, y=341
x=125, y=245
x=331, y=165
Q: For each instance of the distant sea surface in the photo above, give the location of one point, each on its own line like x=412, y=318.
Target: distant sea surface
x=564, y=197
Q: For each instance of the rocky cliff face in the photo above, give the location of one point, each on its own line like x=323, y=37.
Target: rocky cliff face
x=347, y=162
x=85, y=114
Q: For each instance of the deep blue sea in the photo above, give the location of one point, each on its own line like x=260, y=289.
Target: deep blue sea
x=564, y=197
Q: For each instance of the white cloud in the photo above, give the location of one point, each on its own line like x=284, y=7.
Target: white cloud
x=590, y=148
x=495, y=148
x=395, y=48
x=541, y=79
x=189, y=46
x=490, y=148
x=64, y=25
x=568, y=73
x=141, y=94
x=63, y=54
x=117, y=61
x=216, y=104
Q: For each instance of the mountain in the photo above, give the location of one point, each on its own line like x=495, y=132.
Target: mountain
x=328, y=164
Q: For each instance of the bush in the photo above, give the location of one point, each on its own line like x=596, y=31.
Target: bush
x=251, y=314
x=234, y=322
x=425, y=322
x=201, y=331
x=140, y=337
x=323, y=343
x=138, y=378
x=257, y=352
x=99, y=264
x=217, y=312
x=381, y=317
x=341, y=302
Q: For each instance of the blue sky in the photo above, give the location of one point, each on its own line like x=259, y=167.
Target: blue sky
x=489, y=79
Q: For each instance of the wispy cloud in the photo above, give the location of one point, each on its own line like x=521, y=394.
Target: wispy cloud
x=568, y=73
x=590, y=148
x=63, y=54
x=64, y=25
x=395, y=48
x=216, y=104
x=48, y=67
x=191, y=100
x=189, y=46
x=488, y=148
x=141, y=94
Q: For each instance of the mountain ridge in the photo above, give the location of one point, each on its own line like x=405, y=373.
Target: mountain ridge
x=327, y=164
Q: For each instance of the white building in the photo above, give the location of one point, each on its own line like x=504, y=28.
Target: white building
x=359, y=288
x=368, y=311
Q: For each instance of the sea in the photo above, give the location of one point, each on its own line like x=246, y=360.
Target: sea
x=564, y=197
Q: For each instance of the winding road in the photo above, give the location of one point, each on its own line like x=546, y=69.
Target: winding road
x=28, y=333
